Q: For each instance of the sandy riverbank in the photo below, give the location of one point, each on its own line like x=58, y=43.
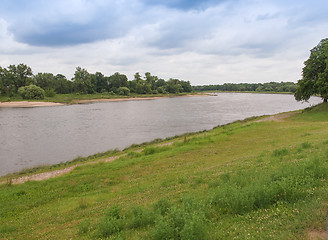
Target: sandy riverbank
x=26, y=104
x=115, y=99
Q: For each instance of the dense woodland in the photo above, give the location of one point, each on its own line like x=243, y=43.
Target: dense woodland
x=15, y=77
x=250, y=87
x=18, y=80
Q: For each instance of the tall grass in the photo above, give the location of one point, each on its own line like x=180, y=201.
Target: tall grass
x=237, y=193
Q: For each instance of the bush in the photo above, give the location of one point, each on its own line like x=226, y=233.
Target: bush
x=31, y=92
x=123, y=91
x=243, y=193
x=142, y=217
x=112, y=222
x=162, y=206
x=184, y=222
x=50, y=92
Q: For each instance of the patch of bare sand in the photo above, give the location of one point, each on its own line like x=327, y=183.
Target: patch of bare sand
x=56, y=173
x=115, y=99
x=43, y=176
x=127, y=99
x=26, y=104
x=316, y=235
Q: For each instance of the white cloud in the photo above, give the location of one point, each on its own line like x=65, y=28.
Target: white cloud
x=234, y=41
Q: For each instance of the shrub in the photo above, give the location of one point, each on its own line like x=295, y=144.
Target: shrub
x=31, y=92
x=142, y=217
x=162, y=206
x=112, y=222
x=123, y=91
x=149, y=150
x=287, y=184
x=110, y=226
x=50, y=92
x=185, y=222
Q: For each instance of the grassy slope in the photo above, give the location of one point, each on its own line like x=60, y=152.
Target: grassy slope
x=247, y=180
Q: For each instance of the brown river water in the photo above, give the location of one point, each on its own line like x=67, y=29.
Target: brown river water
x=31, y=137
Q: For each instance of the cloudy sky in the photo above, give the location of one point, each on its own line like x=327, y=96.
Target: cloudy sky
x=205, y=42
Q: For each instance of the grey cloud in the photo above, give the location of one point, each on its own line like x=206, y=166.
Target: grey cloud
x=57, y=25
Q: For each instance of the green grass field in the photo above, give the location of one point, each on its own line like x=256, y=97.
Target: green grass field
x=245, y=180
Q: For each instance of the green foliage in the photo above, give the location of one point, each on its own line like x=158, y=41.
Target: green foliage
x=162, y=206
x=31, y=92
x=250, y=87
x=141, y=217
x=112, y=222
x=315, y=74
x=50, y=92
x=45, y=80
x=82, y=81
x=182, y=222
x=316, y=113
x=84, y=227
x=280, y=152
x=123, y=91
x=288, y=184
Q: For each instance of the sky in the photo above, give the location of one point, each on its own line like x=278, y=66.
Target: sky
x=204, y=42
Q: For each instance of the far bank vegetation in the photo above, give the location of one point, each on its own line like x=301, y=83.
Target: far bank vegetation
x=19, y=76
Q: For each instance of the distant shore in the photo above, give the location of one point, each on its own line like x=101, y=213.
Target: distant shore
x=28, y=104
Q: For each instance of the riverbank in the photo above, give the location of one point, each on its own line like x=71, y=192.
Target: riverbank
x=249, y=180
x=27, y=104
x=68, y=99
x=65, y=100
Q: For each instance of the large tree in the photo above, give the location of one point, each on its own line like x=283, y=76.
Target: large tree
x=82, y=81
x=45, y=80
x=315, y=74
x=18, y=76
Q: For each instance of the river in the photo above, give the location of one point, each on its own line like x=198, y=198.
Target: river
x=31, y=137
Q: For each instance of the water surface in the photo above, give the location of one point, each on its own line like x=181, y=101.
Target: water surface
x=32, y=137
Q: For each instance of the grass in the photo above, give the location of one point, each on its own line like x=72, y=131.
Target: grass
x=246, y=180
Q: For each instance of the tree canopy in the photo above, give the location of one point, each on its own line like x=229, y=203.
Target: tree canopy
x=315, y=74
x=14, y=77
x=250, y=87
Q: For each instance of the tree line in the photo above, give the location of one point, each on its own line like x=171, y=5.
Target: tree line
x=15, y=77
x=250, y=87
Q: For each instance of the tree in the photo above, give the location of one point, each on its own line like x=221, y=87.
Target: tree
x=99, y=81
x=62, y=85
x=3, y=88
x=117, y=80
x=186, y=87
x=315, y=74
x=45, y=80
x=21, y=75
x=82, y=81
x=173, y=86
